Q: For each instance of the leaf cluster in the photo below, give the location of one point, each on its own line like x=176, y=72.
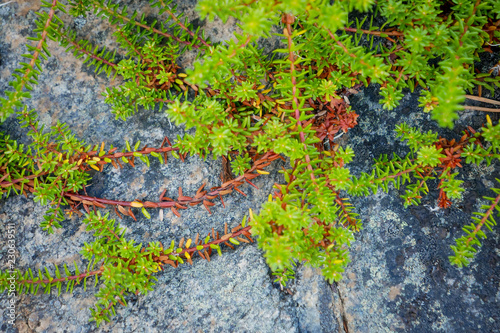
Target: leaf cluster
x=251, y=108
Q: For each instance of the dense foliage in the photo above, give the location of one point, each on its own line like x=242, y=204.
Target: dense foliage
x=251, y=109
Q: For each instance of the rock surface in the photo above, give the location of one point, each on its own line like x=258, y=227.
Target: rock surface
x=399, y=279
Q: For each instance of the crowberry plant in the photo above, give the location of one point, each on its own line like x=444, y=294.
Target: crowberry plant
x=251, y=108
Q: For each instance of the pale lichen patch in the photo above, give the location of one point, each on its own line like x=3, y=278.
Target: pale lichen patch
x=394, y=291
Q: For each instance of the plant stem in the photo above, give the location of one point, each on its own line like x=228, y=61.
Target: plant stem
x=289, y=19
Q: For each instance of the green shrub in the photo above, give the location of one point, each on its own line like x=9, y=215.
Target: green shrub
x=251, y=108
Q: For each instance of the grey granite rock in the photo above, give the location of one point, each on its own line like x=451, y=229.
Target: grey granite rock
x=399, y=280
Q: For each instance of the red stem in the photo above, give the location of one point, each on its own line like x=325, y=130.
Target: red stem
x=78, y=277
x=289, y=19
x=484, y=219
x=378, y=33
x=233, y=184
x=184, y=27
